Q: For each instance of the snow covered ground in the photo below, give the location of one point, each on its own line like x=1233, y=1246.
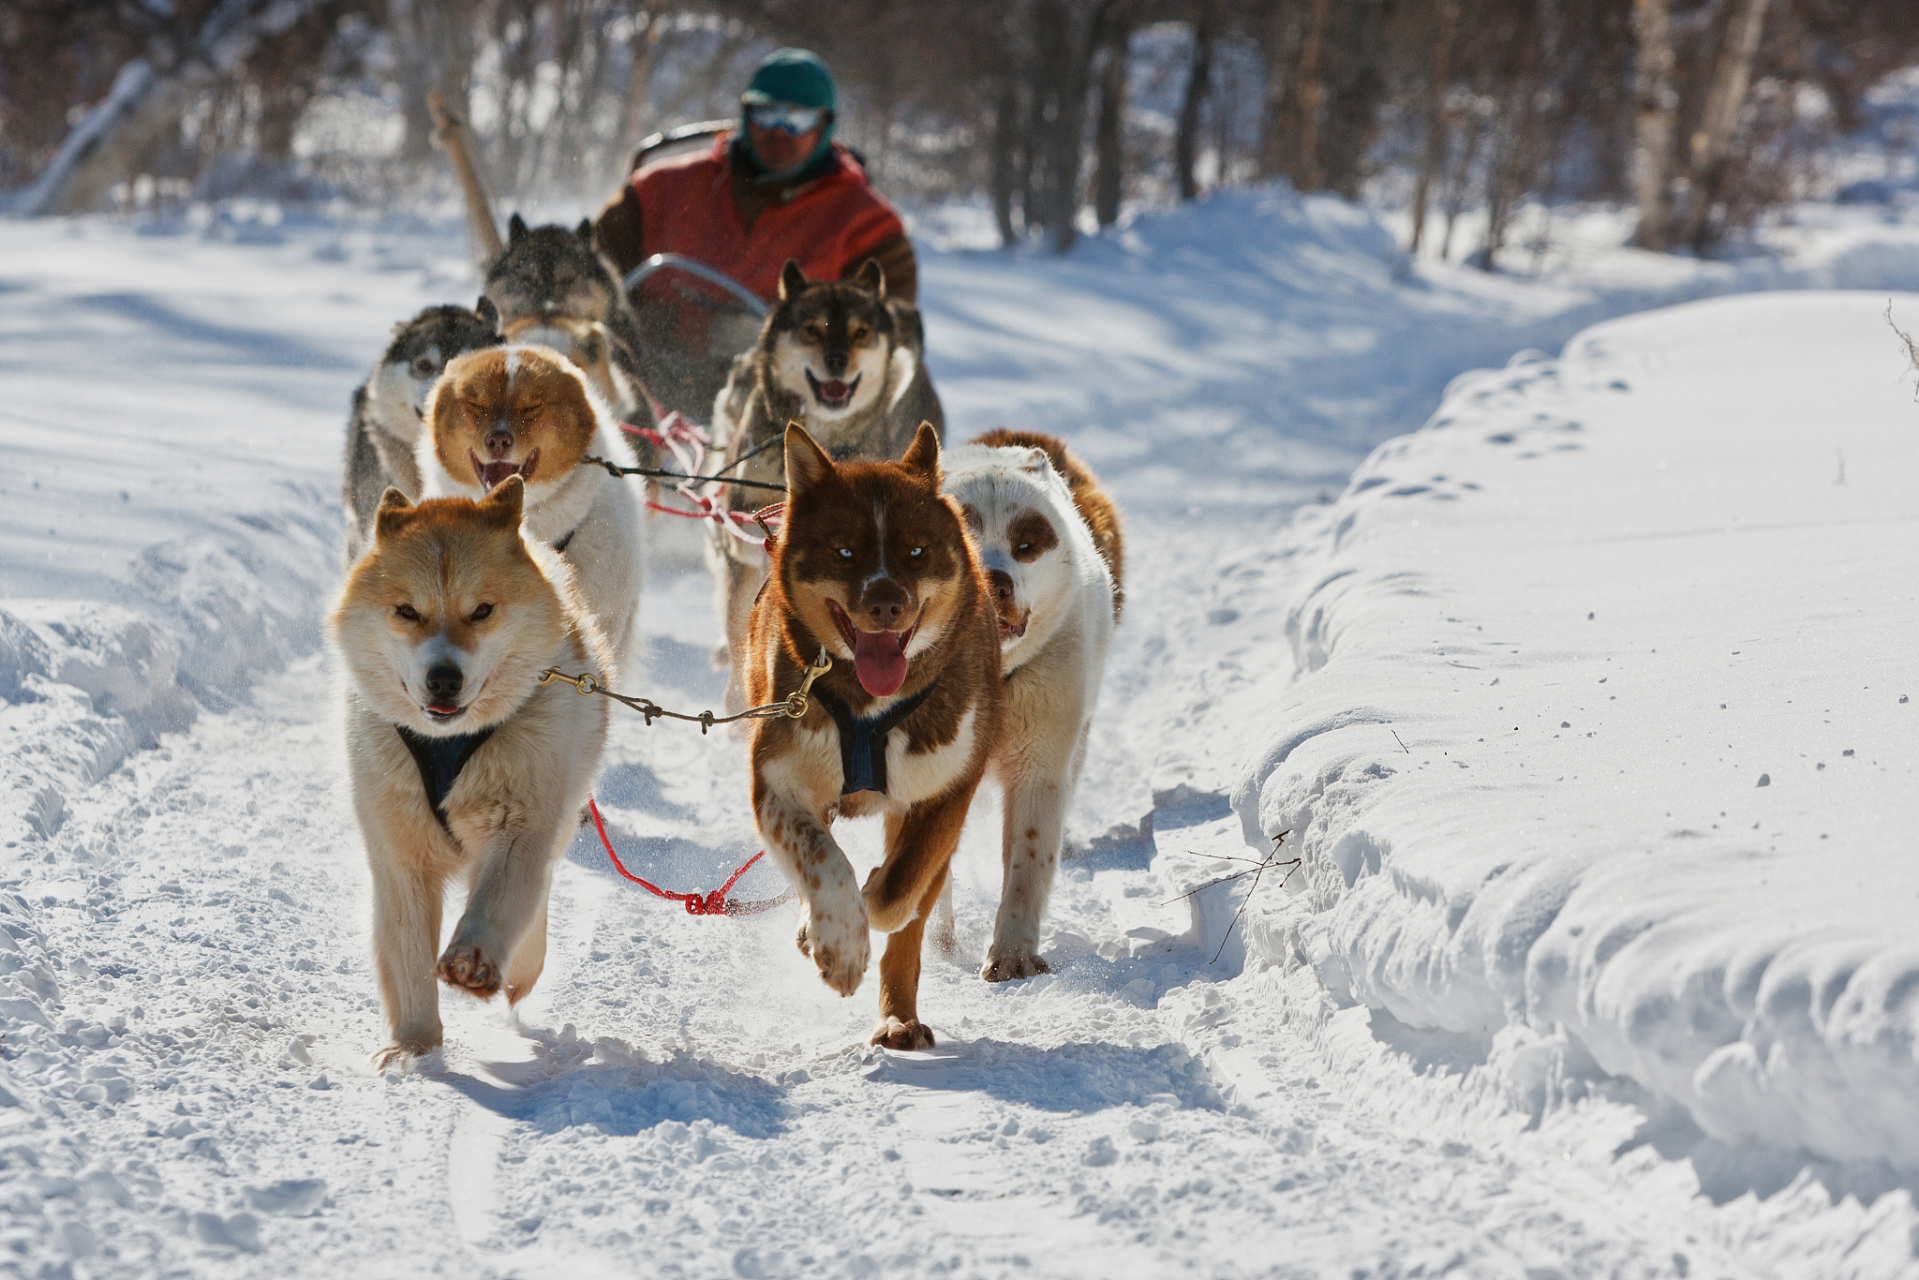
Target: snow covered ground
x=1498, y=1024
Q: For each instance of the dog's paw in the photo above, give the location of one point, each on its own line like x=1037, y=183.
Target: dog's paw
x=1006, y=963
x=894, y=1034
x=840, y=947
x=467, y=967
x=405, y=1053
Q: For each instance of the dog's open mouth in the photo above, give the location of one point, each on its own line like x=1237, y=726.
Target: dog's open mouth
x=879, y=657
x=1012, y=630
x=833, y=393
x=442, y=713
x=493, y=473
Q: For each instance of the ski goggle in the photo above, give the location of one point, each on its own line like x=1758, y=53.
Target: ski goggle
x=784, y=117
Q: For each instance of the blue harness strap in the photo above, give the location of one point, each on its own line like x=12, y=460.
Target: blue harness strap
x=440, y=761
x=863, y=741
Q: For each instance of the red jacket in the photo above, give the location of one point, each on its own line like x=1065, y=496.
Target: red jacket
x=829, y=225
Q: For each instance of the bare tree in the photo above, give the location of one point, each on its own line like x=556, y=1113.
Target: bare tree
x=1655, y=107
x=1199, y=83
x=149, y=96
x=1732, y=75
x=1438, y=124
x=1108, y=134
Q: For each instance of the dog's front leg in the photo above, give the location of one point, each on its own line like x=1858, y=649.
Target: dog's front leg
x=1036, y=795
x=406, y=929
x=900, y=894
x=834, y=932
x=900, y=1026
x=509, y=893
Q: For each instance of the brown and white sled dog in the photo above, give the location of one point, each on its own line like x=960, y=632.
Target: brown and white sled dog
x=460, y=764
x=528, y=411
x=1056, y=598
x=874, y=567
x=590, y=345
x=841, y=359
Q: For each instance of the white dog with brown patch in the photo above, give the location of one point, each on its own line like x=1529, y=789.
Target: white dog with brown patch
x=528, y=411
x=1055, y=596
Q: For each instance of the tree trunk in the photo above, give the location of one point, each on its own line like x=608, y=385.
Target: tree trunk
x=1655, y=103
x=1069, y=37
x=1199, y=83
x=1438, y=125
x=638, y=111
x=413, y=71
x=1308, y=91
x=146, y=101
x=1353, y=86
x=1109, y=133
x=1276, y=46
x=1005, y=163
x=1719, y=122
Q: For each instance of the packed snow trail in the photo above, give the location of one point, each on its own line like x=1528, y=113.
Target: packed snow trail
x=188, y=1000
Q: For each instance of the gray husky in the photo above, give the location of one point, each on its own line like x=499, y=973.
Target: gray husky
x=389, y=407
x=844, y=361
x=550, y=283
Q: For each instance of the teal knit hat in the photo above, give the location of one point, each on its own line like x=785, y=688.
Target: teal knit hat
x=791, y=75
x=799, y=77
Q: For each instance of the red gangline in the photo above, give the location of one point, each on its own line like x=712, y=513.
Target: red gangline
x=712, y=904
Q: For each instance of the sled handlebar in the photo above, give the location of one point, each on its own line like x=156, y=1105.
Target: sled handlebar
x=693, y=267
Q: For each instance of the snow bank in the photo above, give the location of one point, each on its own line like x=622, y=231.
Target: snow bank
x=170, y=530
x=1602, y=750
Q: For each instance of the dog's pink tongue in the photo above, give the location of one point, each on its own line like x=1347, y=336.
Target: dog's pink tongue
x=879, y=661
x=493, y=474
x=835, y=390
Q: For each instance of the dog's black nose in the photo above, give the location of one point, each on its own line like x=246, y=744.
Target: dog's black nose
x=835, y=362
x=1002, y=584
x=886, y=604
x=443, y=681
x=499, y=442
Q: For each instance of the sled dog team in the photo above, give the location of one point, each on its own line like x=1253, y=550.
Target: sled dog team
x=965, y=598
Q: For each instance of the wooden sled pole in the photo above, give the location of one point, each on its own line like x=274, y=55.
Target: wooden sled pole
x=449, y=131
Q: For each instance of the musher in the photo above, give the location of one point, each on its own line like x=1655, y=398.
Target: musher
x=775, y=188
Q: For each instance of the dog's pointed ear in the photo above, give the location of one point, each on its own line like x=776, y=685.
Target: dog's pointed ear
x=872, y=277
x=924, y=453
x=515, y=229
x=1036, y=460
x=585, y=230
x=488, y=313
x=792, y=280
x=807, y=465
x=505, y=503
x=391, y=515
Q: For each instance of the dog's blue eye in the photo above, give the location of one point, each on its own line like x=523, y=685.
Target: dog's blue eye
x=408, y=612
x=846, y=553
x=917, y=552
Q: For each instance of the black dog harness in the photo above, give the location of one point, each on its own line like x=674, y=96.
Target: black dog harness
x=863, y=742
x=440, y=761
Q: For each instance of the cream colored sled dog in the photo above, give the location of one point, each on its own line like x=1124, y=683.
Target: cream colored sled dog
x=528, y=411
x=461, y=764
x=1055, y=597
